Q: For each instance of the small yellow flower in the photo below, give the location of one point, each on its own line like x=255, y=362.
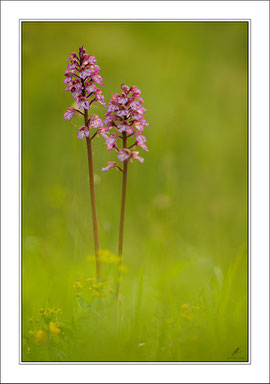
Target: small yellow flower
x=77, y=285
x=54, y=329
x=40, y=336
x=95, y=293
x=90, y=280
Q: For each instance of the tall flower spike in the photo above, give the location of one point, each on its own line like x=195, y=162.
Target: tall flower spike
x=80, y=77
x=124, y=120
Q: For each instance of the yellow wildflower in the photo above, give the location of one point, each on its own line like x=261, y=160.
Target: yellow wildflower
x=40, y=336
x=77, y=285
x=90, y=280
x=54, y=329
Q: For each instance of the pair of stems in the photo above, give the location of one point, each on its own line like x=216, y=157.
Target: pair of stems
x=93, y=204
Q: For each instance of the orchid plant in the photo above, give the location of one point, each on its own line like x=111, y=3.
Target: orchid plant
x=124, y=121
x=81, y=77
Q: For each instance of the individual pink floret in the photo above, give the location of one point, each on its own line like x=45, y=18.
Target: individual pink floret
x=140, y=140
x=111, y=164
x=134, y=105
x=82, y=102
x=110, y=140
x=95, y=122
x=69, y=113
x=84, y=72
x=134, y=155
x=123, y=127
x=97, y=79
x=125, y=88
x=83, y=132
x=75, y=93
x=123, y=154
x=90, y=87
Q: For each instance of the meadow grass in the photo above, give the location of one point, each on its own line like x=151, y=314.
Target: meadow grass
x=184, y=291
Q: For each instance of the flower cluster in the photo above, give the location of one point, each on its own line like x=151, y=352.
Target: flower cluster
x=124, y=120
x=80, y=76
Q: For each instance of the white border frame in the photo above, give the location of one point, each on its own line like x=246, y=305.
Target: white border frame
x=258, y=12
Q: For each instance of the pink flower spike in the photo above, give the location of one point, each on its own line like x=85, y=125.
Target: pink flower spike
x=123, y=154
x=82, y=102
x=95, y=122
x=111, y=164
x=83, y=132
x=69, y=113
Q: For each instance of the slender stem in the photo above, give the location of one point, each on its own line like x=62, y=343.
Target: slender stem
x=92, y=194
x=122, y=217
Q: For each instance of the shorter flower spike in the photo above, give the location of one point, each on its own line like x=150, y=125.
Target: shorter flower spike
x=124, y=120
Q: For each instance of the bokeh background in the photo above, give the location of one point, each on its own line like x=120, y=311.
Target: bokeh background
x=184, y=297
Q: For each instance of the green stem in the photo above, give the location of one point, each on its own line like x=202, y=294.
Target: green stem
x=92, y=195
x=122, y=217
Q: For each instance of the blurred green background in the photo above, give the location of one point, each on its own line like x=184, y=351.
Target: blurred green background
x=184, y=297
